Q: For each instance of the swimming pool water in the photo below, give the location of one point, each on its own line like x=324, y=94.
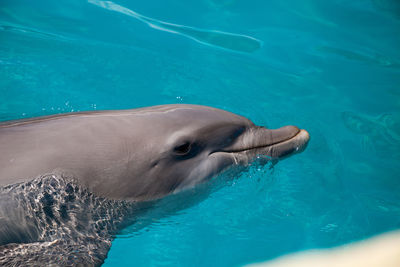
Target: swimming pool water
x=331, y=67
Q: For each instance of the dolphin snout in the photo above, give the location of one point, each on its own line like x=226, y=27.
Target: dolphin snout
x=281, y=134
x=296, y=143
x=302, y=139
x=276, y=143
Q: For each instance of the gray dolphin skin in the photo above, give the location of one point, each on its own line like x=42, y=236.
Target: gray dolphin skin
x=58, y=169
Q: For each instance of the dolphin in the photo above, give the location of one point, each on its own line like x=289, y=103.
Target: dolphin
x=67, y=177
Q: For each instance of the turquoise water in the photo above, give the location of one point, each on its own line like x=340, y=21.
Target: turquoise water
x=331, y=67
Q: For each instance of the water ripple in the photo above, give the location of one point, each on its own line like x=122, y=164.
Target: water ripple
x=31, y=31
x=225, y=40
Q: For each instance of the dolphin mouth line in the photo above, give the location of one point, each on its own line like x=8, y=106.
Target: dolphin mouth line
x=298, y=135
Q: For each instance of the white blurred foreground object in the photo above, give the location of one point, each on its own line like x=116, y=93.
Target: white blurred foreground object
x=380, y=251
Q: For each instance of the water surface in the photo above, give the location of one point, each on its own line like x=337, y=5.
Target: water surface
x=331, y=67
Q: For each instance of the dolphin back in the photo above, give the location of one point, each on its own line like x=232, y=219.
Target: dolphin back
x=54, y=220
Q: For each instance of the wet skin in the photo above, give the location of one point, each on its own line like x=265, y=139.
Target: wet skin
x=139, y=154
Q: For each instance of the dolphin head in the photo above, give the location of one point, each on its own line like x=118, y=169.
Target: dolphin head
x=140, y=154
x=194, y=143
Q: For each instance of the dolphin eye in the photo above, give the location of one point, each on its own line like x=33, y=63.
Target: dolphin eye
x=183, y=149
